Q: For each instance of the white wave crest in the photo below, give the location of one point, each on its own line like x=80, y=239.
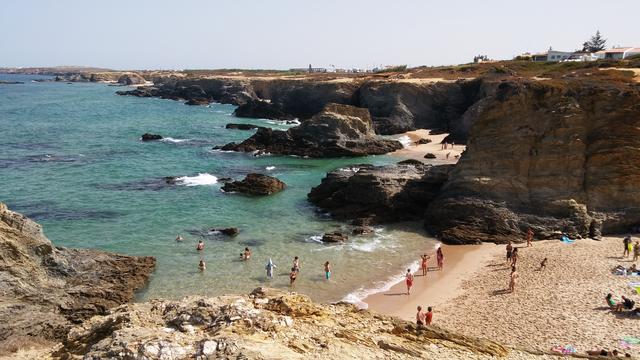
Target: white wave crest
x=405, y=140
x=269, y=168
x=200, y=179
x=173, y=140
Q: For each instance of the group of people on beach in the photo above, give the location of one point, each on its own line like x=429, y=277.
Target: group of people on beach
x=424, y=258
x=625, y=303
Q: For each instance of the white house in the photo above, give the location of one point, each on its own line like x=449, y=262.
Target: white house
x=618, y=53
x=551, y=55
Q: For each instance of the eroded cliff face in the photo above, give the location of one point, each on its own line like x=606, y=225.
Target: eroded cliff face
x=558, y=155
x=44, y=289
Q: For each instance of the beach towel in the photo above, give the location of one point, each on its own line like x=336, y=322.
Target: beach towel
x=624, y=345
x=631, y=340
x=564, y=350
x=566, y=240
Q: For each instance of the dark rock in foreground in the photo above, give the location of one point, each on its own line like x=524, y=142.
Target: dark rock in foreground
x=384, y=194
x=430, y=156
x=339, y=130
x=47, y=289
x=255, y=184
x=241, y=126
x=150, y=137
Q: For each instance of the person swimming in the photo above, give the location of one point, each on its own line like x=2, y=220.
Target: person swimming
x=247, y=253
x=200, y=245
x=179, y=238
x=296, y=264
x=293, y=275
x=202, y=266
x=270, y=266
x=327, y=270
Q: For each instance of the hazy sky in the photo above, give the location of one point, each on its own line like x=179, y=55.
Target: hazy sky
x=280, y=34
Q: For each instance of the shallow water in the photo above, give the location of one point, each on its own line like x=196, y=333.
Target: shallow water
x=70, y=157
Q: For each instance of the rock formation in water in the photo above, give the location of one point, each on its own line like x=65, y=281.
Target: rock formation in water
x=44, y=290
x=260, y=109
x=131, y=79
x=255, y=184
x=555, y=156
x=241, y=126
x=382, y=193
x=339, y=130
x=150, y=137
x=267, y=324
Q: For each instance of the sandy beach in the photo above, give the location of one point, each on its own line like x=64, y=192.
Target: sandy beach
x=562, y=304
x=415, y=151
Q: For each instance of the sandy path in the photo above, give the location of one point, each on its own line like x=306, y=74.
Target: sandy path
x=418, y=152
x=563, y=304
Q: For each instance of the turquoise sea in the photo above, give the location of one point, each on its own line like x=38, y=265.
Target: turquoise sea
x=71, y=158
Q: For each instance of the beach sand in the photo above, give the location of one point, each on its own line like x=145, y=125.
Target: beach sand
x=561, y=305
x=418, y=152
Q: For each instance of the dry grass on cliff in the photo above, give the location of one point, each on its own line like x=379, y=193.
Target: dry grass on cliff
x=562, y=304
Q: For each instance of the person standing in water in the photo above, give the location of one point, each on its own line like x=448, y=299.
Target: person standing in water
x=270, y=266
x=327, y=270
x=247, y=254
x=424, y=258
x=440, y=258
x=200, y=245
x=179, y=238
x=529, y=237
x=296, y=264
x=409, y=281
x=513, y=279
x=202, y=266
x=293, y=275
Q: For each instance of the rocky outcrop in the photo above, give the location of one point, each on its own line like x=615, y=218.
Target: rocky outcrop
x=384, y=193
x=555, y=156
x=255, y=184
x=339, y=130
x=265, y=324
x=44, y=289
x=334, y=237
x=131, y=79
x=260, y=109
x=241, y=126
x=150, y=137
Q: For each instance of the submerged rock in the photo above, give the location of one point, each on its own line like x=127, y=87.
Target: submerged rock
x=339, y=130
x=230, y=231
x=335, y=237
x=241, y=126
x=150, y=137
x=255, y=184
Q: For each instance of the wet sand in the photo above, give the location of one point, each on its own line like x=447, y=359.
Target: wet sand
x=438, y=287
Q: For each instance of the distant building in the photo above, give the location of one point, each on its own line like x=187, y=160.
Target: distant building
x=309, y=70
x=552, y=55
x=618, y=53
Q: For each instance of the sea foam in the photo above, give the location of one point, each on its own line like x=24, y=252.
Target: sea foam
x=173, y=140
x=200, y=179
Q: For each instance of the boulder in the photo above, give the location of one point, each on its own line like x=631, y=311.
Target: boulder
x=334, y=237
x=150, y=137
x=260, y=109
x=430, y=156
x=423, y=141
x=131, y=79
x=255, y=184
x=198, y=101
x=241, y=126
x=361, y=230
x=339, y=130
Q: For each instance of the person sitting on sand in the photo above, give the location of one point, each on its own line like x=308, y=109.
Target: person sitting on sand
x=327, y=270
x=613, y=305
x=602, y=352
x=428, y=316
x=202, y=266
x=419, y=317
x=293, y=275
x=424, y=258
x=179, y=238
x=200, y=245
x=296, y=264
x=513, y=279
x=543, y=264
x=628, y=303
x=440, y=257
x=509, y=250
x=247, y=253
x=409, y=281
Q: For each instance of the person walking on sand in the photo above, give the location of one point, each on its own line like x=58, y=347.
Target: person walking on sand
x=513, y=279
x=179, y=238
x=419, y=317
x=626, y=241
x=636, y=251
x=543, y=264
x=509, y=251
x=514, y=257
x=409, y=281
x=202, y=266
x=296, y=264
x=424, y=267
x=247, y=254
x=428, y=317
x=200, y=245
x=327, y=270
x=293, y=275
x=440, y=258
x=270, y=266
x=529, y=237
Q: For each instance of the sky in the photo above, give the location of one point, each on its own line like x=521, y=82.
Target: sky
x=283, y=34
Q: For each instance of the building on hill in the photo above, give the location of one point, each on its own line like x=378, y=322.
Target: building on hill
x=618, y=53
x=551, y=55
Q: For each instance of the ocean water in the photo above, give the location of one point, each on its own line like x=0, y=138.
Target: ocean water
x=71, y=158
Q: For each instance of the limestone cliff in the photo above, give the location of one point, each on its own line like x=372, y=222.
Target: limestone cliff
x=44, y=289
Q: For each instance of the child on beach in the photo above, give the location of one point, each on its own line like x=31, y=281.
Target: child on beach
x=513, y=279
x=509, y=251
x=200, y=245
x=543, y=264
x=420, y=317
x=529, y=237
x=293, y=275
x=424, y=258
x=440, y=258
x=409, y=281
x=327, y=270
x=428, y=316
